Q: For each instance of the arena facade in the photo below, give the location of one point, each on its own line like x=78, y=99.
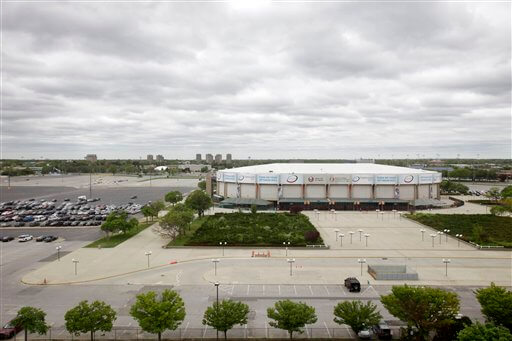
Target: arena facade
x=339, y=186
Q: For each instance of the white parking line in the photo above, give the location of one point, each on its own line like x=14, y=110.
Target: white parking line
x=279, y=288
x=343, y=290
x=204, y=333
x=311, y=290
x=248, y=286
x=328, y=293
x=263, y=290
x=185, y=330
x=348, y=330
x=307, y=332
x=328, y=332
x=295, y=289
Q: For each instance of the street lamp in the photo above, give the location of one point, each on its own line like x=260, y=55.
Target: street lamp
x=433, y=236
x=341, y=239
x=446, y=261
x=148, y=253
x=286, y=244
x=361, y=261
x=215, y=261
x=217, y=305
x=394, y=213
x=440, y=236
x=291, y=261
x=360, y=234
x=58, y=252
x=382, y=215
x=459, y=236
x=351, y=233
x=446, y=231
x=336, y=231
x=333, y=212
x=223, y=244
x=317, y=214
x=366, y=235
x=76, y=262
x=422, y=234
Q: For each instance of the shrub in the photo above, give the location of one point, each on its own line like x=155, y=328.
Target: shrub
x=311, y=236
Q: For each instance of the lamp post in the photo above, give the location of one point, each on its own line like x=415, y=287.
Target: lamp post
x=361, y=261
x=459, y=236
x=223, y=245
x=446, y=261
x=382, y=214
x=215, y=261
x=217, y=305
x=440, y=234
x=317, y=214
x=394, y=213
x=336, y=231
x=366, y=235
x=446, y=232
x=75, y=261
x=422, y=234
x=291, y=261
x=333, y=212
x=58, y=252
x=351, y=234
x=286, y=244
x=433, y=236
x=148, y=253
x=360, y=234
x=341, y=239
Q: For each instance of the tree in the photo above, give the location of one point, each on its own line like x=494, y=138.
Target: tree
x=158, y=314
x=484, y=332
x=496, y=303
x=449, y=332
x=92, y=317
x=173, y=197
x=202, y=185
x=291, y=316
x=199, y=201
x=32, y=321
x=357, y=315
x=156, y=207
x=147, y=211
x=118, y=221
x=493, y=194
x=178, y=219
x=426, y=309
x=204, y=169
x=225, y=315
x=506, y=192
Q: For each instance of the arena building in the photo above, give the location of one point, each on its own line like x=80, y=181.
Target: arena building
x=344, y=186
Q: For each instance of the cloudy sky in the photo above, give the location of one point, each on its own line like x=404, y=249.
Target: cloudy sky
x=258, y=79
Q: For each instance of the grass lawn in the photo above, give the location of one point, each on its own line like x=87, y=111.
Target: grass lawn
x=247, y=229
x=184, y=239
x=496, y=230
x=117, y=239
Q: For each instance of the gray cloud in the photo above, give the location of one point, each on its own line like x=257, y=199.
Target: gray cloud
x=283, y=80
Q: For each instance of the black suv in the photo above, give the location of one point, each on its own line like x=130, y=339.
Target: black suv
x=383, y=331
x=352, y=284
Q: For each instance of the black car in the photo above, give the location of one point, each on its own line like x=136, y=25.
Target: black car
x=6, y=239
x=40, y=238
x=383, y=331
x=50, y=239
x=352, y=284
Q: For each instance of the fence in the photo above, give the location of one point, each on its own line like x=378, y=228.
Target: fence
x=133, y=333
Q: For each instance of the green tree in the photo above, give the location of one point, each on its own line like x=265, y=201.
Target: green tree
x=118, y=221
x=493, y=194
x=506, y=192
x=85, y=318
x=156, y=207
x=173, y=197
x=225, y=315
x=198, y=201
x=178, y=219
x=484, y=332
x=32, y=320
x=158, y=314
x=461, y=173
x=496, y=303
x=426, y=309
x=291, y=316
x=204, y=169
x=357, y=315
x=147, y=211
x=202, y=185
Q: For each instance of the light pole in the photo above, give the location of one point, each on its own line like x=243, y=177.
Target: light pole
x=433, y=236
x=382, y=214
x=422, y=234
x=286, y=244
x=317, y=214
x=440, y=234
x=361, y=261
x=394, y=213
x=148, y=253
x=351, y=234
x=223, y=245
x=336, y=231
x=291, y=261
x=360, y=234
x=215, y=261
x=446, y=232
x=217, y=305
x=75, y=261
x=366, y=235
x=341, y=239
x=459, y=236
x=446, y=261
x=58, y=252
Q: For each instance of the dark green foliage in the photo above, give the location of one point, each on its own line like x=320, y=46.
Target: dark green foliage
x=357, y=315
x=311, y=236
x=291, y=316
x=484, y=332
x=225, y=315
x=173, y=197
x=202, y=185
x=85, y=318
x=260, y=229
x=506, y=192
x=448, y=186
x=198, y=201
x=449, y=332
x=496, y=229
x=496, y=303
x=32, y=320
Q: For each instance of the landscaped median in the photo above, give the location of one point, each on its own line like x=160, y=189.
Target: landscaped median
x=114, y=240
x=482, y=229
x=250, y=229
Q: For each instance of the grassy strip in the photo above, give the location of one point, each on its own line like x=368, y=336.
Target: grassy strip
x=486, y=202
x=494, y=230
x=185, y=238
x=117, y=239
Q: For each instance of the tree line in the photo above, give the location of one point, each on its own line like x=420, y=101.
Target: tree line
x=427, y=312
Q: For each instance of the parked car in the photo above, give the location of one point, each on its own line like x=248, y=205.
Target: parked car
x=383, y=331
x=365, y=334
x=9, y=330
x=40, y=238
x=6, y=239
x=50, y=239
x=24, y=238
x=352, y=284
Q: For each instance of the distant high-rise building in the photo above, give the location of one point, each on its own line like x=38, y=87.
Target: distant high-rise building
x=91, y=157
x=209, y=158
x=228, y=158
x=198, y=157
x=160, y=158
x=218, y=158
x=150, y=157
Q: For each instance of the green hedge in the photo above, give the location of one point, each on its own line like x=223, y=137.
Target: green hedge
x=495, y=230
x=248, y=229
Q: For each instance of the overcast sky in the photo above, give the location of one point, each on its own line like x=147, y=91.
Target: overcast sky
x=259, y=80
